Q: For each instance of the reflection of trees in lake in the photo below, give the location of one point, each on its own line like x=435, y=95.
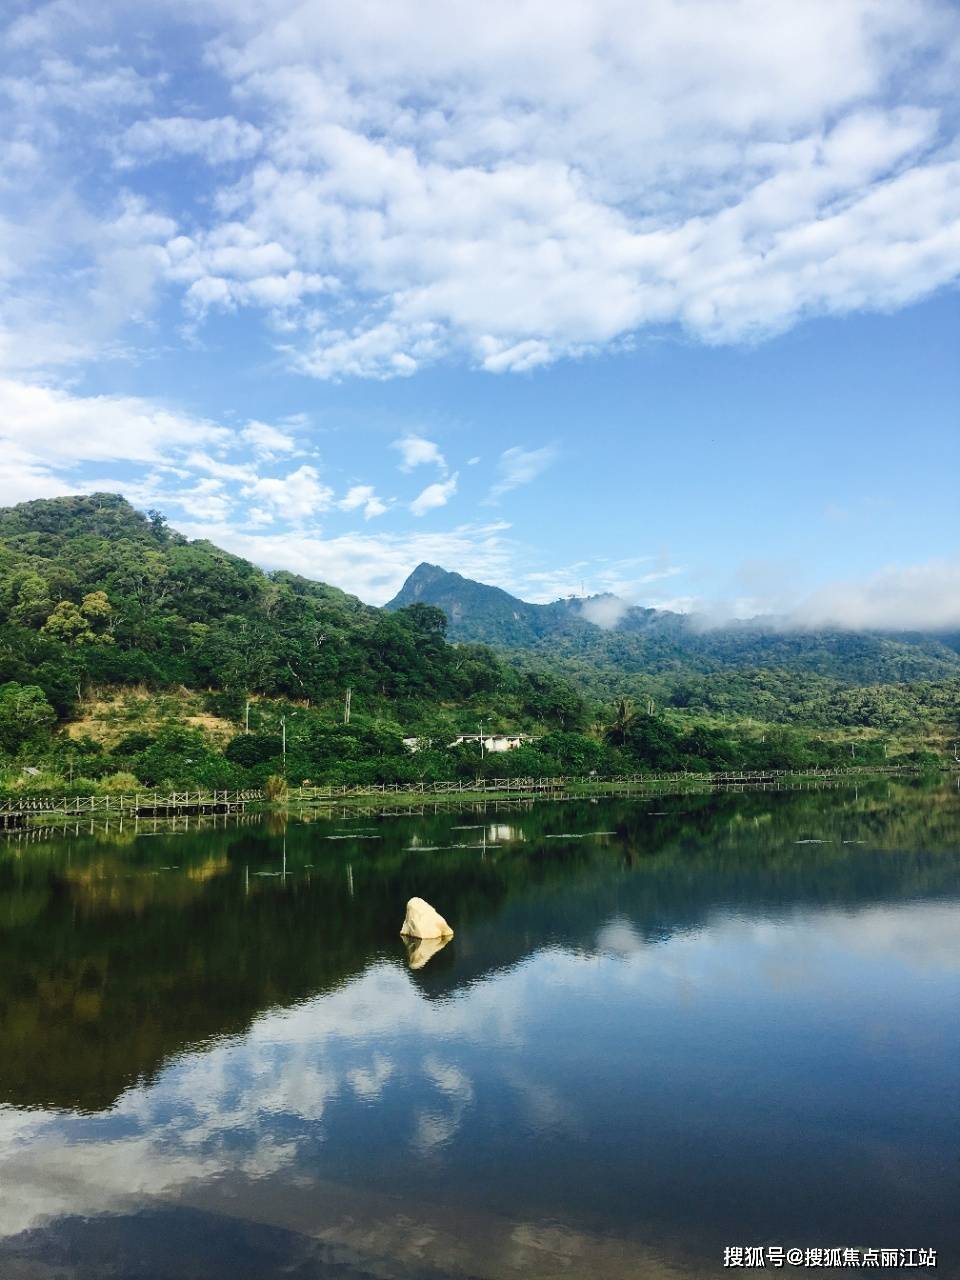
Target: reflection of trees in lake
x=114, y=956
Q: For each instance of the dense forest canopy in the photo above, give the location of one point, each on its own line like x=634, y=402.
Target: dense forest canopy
x=93, y=591
x=96, y=596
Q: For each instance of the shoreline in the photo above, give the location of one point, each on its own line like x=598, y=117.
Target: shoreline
x=30, y=813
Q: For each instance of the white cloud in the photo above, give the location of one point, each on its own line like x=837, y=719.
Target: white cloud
x=206, y=500
x=23, y=477
x=220, y=141
x=363, y=495
x=371, y=566
x=604, y=611
x=54, y=428
x=518, y=466
x=544, y=180
x=619, y=583
x=232, y=266
x=49, y=439
x=67, y=85
x=538, y=180
x=505, y=186
x=388, y=350
x=899, y=598
x=69, y=282
x=218, y=467
x=434, y=495
x=267, y=441
x=296, y=496
x=415, y=451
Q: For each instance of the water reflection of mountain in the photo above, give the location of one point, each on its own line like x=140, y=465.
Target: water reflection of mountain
x=114, y=956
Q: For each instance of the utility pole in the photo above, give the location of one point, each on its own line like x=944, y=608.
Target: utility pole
x=346, y=707
x=246, y=718
x=283, y=739
x=481, y=739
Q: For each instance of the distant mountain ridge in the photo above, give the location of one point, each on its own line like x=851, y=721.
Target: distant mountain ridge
x=655, y=641
x=474, y=608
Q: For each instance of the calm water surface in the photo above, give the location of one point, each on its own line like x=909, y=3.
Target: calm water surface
x=664, y=1026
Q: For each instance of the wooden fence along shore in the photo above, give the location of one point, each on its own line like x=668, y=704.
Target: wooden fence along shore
x=16, y=811
x=547, y=786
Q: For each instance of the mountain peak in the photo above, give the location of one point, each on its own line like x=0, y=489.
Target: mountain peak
x=427, y=572
x=477, y=611
x=425, y=580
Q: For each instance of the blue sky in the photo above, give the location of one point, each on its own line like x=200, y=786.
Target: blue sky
x=657, y=297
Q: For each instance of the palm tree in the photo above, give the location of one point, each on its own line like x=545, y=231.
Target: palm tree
x=624, y=714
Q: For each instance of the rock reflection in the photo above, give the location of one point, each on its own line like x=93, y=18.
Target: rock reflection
x=420, y=951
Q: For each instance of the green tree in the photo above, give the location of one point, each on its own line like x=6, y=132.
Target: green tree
x=26, y=717
x=85, y=624
x=31, y=601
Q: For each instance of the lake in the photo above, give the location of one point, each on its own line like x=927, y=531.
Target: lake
x=665, y=1027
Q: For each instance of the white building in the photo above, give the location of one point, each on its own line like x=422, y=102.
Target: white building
x=495, y=741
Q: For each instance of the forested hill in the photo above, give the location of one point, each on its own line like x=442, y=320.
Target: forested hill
x=93, y=593
x=659, y=643
x=131, y=656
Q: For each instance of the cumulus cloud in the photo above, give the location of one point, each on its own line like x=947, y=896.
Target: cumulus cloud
x=434, y=495
x=298, y=495
x=566, y=175
x=363, y=496
x=65, y=84
x=232, y=266
x=207, y=499
x=51, y=441
x=415, y=451
x=527, y=182
x=219, y=141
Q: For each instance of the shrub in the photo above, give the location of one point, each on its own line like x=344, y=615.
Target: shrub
x=119, y=783
x=276, y=788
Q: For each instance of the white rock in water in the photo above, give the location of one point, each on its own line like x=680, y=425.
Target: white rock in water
x=423, y=922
